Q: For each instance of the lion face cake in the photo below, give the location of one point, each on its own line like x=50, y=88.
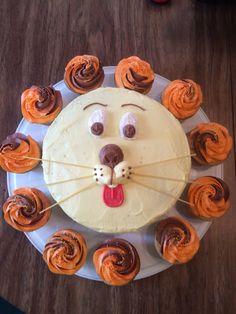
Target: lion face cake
x=114, y=140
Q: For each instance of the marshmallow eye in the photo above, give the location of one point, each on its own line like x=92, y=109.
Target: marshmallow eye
x=128, y=125
x=96, y=122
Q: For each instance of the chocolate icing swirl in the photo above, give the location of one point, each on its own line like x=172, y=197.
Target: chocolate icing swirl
x=22, y=209
x=65, y=252
x=135, y=74
x=13, y=141
x=13, y=151
x=210, y=142
x=182, y=98
x=209, y=197
x=110, y=155
x=116, y=261
x=41, y=104
x=176, y=240
x=83, y=74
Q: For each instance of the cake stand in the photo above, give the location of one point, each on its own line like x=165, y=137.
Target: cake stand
x=143, y=240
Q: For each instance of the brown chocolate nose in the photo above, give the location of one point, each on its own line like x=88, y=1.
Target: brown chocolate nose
x=110, y=155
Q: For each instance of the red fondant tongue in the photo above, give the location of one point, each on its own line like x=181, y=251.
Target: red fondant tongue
x=113, y=197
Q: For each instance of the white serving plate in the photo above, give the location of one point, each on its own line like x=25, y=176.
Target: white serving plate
x=143, y=240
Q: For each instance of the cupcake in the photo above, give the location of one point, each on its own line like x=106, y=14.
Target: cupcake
x=210, y=142
x=134, y=74
x=41, y=104
x=182, y=98
x=14, y=151
x=176, y=240
x=116, y=262
x=209, y=197
x=22, y=209
x=83, y=74
x=65, y=252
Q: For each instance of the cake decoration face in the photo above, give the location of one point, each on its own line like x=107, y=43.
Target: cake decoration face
x=113, y=169
x=119, y=136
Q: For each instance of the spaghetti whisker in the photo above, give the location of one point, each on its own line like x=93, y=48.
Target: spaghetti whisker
x=59, y=162
x=68, y=197
x=162, y=161
x=63, y=181
x=160, y=191
x=164, y=178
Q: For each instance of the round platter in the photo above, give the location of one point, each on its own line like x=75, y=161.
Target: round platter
x=143, y=240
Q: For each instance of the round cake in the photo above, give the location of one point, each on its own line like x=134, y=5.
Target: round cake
x=123, y=160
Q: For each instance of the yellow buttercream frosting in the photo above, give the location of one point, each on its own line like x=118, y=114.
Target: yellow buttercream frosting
x=159, y=136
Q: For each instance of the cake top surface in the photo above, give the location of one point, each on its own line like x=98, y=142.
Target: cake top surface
x=138, y=131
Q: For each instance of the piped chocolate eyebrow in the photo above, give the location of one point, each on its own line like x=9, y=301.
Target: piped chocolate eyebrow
x=94, y=103
x=137, y=106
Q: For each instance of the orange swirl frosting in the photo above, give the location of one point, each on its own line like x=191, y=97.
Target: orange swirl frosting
x=65, y=252
x=209, y=197
x=210, y=142
x=135, y=74
x=22, y=209
x=83, y=74
x=14, y=150
x=176, y=240
x=41, y=104
x=182, y=98
x=116, y=261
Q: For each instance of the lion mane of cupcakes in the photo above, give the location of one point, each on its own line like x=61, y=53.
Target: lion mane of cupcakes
x=22, y=210
x=210, y=143
x=134, y=74
x=182, y=98
x=176, y=240
x=116, y=262
x=84, y=74
x=208, y=197
x=41, y=104
x=19, y=153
